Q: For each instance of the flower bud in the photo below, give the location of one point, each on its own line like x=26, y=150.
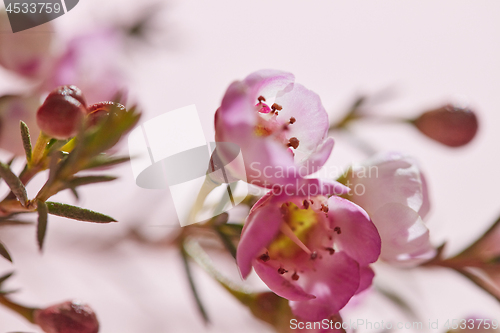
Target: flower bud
x=72, y=91
x=100, y=111
x=61, y=113
x=450, y=125
x=67, y=317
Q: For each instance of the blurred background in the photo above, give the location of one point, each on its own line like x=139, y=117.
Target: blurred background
x=169, y=54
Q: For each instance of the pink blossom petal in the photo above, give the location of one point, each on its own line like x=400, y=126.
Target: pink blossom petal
x=366, y=275
x=426, y=204
x=318, y=158
x=390, y=177
x=311, y=119
x=261, y=228
x=334, y=281
x=267, y=82
x=279, y=284
x=358, y=236
x=406, y=238
x=28, y=52
x=235, y=108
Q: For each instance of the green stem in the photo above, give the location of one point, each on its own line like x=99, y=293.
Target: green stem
x=20, y=309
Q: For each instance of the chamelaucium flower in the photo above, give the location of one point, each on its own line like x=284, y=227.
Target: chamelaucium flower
x=26, y=53
x=393, y=190
x=281, y=128
x=312, y=251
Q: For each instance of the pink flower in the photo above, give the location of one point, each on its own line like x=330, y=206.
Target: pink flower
x=391, y=188
x=12, y=110
x=90, y=62
x=280, y=126
x=67, y=317
x=28, y=52
x=314, y=252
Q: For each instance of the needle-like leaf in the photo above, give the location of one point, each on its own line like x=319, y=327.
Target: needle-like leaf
x=25, y=134
x=15, y=184
x=4, y=253
x=42, y=223
x=77, y=213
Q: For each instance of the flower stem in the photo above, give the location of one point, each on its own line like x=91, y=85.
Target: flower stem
x=24, y=311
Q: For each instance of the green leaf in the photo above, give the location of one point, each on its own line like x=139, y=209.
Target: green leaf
x=25, y=134
x=15, y=184
x=42, y=223
x=192, y=285
x=77, y=213
x=104, y=161
x=4, y=277
x=79, y=181
x=75, y=193
x=4, y=253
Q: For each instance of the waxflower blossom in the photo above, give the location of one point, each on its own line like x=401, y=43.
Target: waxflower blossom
x=13, y=109
x=450, y=125
x=90, y=61
x=392, y=189
x=67, y=317
x=314, y=252
x=26, y=53
x=61, y=113
x=281, y=128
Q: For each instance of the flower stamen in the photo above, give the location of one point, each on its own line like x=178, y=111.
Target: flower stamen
x=287, y=231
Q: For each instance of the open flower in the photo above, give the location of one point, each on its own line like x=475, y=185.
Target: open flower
x=67, y=317
x=391, y=188
x=314, y=252
x=280, y=126
x=90, y=62
x=26, y=53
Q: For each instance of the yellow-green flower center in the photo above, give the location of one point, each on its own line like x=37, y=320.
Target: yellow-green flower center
x=300, y=221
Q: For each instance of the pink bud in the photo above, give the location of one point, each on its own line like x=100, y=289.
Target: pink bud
x=72, y=91
x=61, y=113
x=450, y=125
x=67, y=317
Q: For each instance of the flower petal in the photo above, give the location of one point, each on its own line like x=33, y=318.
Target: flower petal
x=267, y=82
x=311, y=119
x=334, y=281
x=366, y=275
x=389, y=177
x=405, y=236
x=279, y=284
x=261, y=228
x=317, y=158
x=357, y=236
